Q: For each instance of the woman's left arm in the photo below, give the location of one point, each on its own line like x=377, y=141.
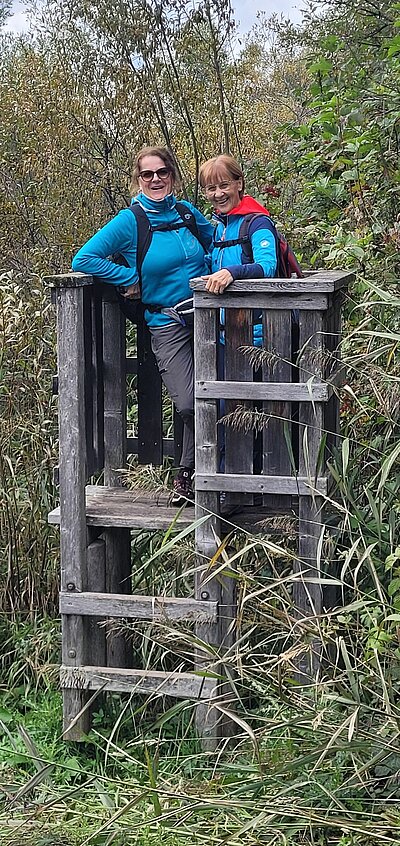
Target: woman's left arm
x=263, y=264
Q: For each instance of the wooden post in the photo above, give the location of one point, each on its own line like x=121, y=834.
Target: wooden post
x=71, y=410
x=277, y=326
x=307, y=595
x=118, y=551
x=238, y=445
x=205, y=341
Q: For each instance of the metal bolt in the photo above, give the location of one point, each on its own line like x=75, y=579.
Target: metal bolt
x=70, y=586
x=72, y=653
x=204, y=594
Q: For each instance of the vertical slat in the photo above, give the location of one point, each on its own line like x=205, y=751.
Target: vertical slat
x=205, y=347
x=87, y=365
x=210, y=724
x=98, y=378
x=178, y=437
x=96, y=582
x=308, y=595
x=277, y=326
x=118, y=552
x=238, y=444
x=71, y=410
x=150, y=432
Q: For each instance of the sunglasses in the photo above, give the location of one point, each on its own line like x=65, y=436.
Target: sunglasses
x=148, y=175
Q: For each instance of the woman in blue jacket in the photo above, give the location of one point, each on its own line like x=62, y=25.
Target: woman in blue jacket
x=222, y=181
x=173, y=257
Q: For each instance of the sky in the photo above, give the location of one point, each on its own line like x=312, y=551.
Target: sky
x=245, y=12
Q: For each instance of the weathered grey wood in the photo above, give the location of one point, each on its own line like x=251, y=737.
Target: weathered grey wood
x=280, y=393
x=89, y=381
x=135, y=509
x=205, y=360
x=260, y=300
x=239, y=445
x=307, y=594
x=119, y=680
x=277, y=330
x=324, y=281
x=300, y=486
x=98, y=380
x=72, y=487
x=118, y=551
x=137, y=607
x=96, y=584
x=68, y=280
x=150, y=433
x=114, y=392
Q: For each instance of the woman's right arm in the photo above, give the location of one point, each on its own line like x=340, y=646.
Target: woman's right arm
x=117, y=236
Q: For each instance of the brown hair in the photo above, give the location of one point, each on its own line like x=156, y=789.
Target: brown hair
x=213, y=169
x=162, y=153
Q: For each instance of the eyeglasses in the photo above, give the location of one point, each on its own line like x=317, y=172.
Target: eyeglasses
x=223, y=186
x=161, y=173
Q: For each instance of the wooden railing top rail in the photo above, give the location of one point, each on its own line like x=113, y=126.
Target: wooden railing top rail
x=319, y=282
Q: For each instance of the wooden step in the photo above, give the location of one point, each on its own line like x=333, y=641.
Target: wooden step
x=133, y=509
x=146, y=510
x=155, y=608
x=181, y=685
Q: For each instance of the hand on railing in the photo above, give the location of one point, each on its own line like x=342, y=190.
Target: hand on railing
x=217, y=282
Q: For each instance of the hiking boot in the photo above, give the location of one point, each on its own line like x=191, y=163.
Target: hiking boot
x=182, y=490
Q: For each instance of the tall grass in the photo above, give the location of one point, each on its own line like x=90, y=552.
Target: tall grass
x=28, y=559
x=311, y=764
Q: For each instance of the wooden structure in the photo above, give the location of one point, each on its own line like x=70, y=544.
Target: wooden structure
x=295, y=389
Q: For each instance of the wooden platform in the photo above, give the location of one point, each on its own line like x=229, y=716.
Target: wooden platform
x=150, y=511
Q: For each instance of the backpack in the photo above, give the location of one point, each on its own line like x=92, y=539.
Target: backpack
x=286, y=261
x=134, y=309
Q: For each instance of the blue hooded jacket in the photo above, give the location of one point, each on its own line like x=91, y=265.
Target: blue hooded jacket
x=173, y=257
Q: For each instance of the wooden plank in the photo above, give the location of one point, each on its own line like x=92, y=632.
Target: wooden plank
x=96, y=582
x=307, y=595
x=114, y=391
x=72, y=488
x=149, y=389
x=258, y=300
x=98, y=378
x=279, y=392
x=68, y=280
x=180, y=685
x=118, y=550
x=137, y=607
x=239, y=445
x=259, y=484
x=209, y=589
x=136, y=509
x=131, y=366
x=323, y=281
x=277, y=326
x=89, y=382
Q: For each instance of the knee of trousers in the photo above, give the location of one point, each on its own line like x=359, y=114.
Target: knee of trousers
x=187, y=415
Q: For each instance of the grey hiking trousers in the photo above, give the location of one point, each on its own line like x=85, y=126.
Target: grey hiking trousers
x=173, y=348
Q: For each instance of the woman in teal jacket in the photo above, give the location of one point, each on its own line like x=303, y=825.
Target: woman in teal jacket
x=173, y=257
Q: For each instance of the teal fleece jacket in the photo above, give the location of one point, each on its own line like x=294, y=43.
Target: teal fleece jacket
x=173, y=257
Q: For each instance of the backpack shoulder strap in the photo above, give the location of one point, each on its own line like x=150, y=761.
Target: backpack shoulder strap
x=144, y=234
x=190, y=222
x=244, y=233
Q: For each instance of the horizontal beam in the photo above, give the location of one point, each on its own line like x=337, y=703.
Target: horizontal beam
x=68, y=280
x=259, y=300
x=321, y=281
x=241, y=483
x=155, y=608
x=181, y=685
x=275, y=391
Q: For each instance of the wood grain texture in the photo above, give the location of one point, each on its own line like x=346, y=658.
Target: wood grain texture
x=179, y=684
x=279, y=392
x=138, y=607
x=259, y=484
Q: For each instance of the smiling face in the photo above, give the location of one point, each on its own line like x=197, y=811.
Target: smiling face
x=223, y=191
x=156, y=180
